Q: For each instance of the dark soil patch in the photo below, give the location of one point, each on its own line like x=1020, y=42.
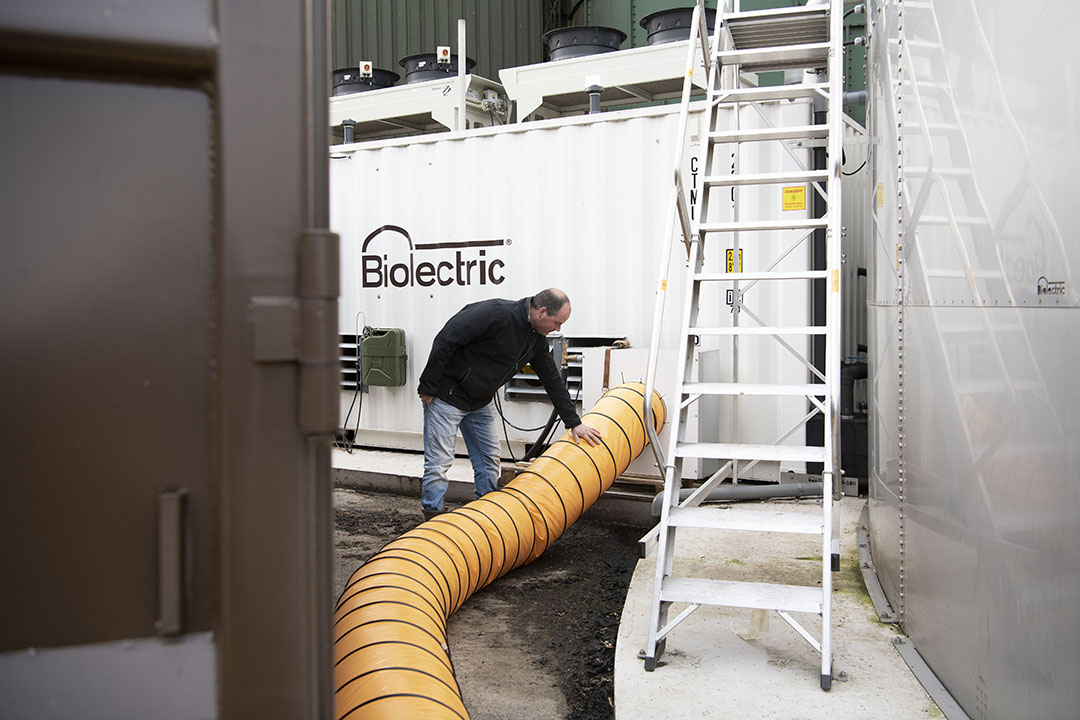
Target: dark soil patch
x=564, y=608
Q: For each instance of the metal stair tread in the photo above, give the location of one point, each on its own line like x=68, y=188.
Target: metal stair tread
x=773, y=92
x=748, y=225
x=774, y=275
x=801, y=176
x=783, y=26
x=759, y=330
x=728, y=593
x=789, y=132
x=778, y=57
x=766, y=389
x=746, y=519
x=742, y=451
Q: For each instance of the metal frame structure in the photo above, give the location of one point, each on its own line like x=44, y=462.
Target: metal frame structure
x=809, y=38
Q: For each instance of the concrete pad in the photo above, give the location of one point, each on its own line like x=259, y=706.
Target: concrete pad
x=709, y=670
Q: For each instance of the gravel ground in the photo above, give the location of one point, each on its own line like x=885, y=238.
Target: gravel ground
x=537, y=643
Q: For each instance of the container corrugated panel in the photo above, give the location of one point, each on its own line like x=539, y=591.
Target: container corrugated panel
x=498, y=34
x=430, y=224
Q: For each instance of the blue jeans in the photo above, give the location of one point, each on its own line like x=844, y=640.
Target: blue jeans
x=441, y=423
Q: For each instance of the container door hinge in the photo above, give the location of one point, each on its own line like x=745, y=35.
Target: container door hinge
x=304, y=330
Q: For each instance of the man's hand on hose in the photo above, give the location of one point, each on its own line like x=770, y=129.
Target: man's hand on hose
x=586, y=433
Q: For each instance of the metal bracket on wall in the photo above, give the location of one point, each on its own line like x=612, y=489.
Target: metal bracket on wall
x=303, y=329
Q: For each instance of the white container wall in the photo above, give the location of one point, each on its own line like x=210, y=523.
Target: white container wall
x=429, y=224
x=975, y=328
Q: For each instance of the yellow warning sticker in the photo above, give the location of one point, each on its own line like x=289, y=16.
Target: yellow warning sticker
x=880, y=195
x=836, y=281
x=731, y=260
x=663, y=286
x=795, y=198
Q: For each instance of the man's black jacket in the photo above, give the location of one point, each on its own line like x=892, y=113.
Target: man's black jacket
x=481, y=347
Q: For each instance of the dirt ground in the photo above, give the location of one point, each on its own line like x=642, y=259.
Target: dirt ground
x=537, y=643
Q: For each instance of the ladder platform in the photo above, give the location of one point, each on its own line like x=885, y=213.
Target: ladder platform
x=791, y=132
x=802, y=176
x=749, y=225
x=782, y=57
x=783, y=26
x=758, y=330
x=742, y=519
x=768, y=389
x=746, y=276
x=772, y=92
x=727, y=593
x=742, y=451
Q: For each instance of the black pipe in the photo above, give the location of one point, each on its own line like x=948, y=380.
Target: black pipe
x=349, y=128
x=849, y=373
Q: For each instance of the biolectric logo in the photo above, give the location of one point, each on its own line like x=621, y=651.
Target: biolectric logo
x=468, y=265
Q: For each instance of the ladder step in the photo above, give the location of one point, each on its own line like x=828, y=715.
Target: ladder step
x=768, y=178
x=782, y=57
x=767, y=389
x=758, y=330
x=761, y=596
x=726, y=451
x=772, y=92
x=777, y=275
x=921, y=172
x=784, y=26
x=963, y=274
x=749, y=225
x=777, y=133
x=988, y=387
x=735, y=518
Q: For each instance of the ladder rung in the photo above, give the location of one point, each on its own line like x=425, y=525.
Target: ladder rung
x=768, y=178
x=735, y=518
x=777, y=133
x=762, y=596
x=963, y=220
x=943, y=172
x=730, y=451
x=758, y=330
x=987, y=387
x=748, y=225
x=963, y=274
x=771, y=389
x=773, y=92
x=781, y=57
x=778, y=275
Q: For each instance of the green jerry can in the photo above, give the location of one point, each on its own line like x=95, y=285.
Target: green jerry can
x=384, y=357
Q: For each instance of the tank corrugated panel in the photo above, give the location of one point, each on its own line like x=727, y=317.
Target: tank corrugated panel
x=498, y=34
x=975, y=327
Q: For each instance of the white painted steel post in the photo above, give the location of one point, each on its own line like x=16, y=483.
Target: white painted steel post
x=461, y=65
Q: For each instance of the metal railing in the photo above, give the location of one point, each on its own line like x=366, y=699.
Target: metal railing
x=677, y=212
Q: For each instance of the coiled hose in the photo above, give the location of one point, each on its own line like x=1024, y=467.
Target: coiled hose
x=391, y=657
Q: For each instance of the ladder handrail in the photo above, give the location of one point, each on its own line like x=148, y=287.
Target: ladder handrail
x=677, y=210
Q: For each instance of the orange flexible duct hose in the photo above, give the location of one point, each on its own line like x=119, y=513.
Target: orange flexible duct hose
x=391, y=657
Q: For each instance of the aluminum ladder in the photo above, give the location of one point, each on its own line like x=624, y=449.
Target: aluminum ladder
x=800, y=38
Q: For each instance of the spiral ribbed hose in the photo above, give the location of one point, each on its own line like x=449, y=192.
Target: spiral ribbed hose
x=392, y=660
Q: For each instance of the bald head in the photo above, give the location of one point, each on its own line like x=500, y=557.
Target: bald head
x=548, y=310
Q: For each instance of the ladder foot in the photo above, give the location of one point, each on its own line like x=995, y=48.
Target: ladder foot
x=826, y=682
x=651, y=660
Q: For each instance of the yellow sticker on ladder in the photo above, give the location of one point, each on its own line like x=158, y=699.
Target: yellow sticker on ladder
x=880, y=195
x=731, y=260
x=836, y=281
x=794, y=198
x=663, y=286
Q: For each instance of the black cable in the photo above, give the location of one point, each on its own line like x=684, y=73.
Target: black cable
x=855, y=170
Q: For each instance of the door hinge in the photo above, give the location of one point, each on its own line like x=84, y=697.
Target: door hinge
x=303, y=329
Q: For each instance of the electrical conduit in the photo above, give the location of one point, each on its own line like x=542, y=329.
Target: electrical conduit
x=391, y=657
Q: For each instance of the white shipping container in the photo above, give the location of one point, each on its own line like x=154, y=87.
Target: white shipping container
x=431, y=223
